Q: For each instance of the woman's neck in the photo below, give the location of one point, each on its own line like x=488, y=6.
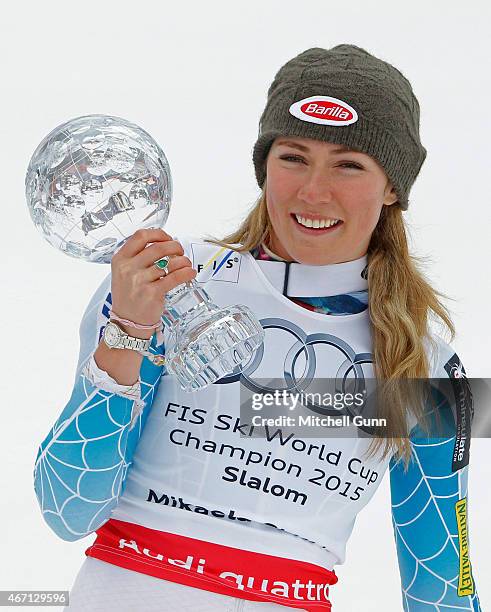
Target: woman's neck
x=305, y=280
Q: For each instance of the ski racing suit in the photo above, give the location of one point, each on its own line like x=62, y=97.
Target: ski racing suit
x=181, y=494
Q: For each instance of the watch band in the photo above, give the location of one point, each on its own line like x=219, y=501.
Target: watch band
x=124, y=340
x=141, y=345
x=135, y=344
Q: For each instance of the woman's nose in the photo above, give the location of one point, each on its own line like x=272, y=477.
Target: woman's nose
x=317, y=188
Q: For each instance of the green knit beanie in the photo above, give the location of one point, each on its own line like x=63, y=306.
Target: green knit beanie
x=345, y=95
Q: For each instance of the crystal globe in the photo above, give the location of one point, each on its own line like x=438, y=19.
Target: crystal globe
x=93, y=181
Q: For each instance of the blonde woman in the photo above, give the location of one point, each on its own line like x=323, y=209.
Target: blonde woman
x=192, y=511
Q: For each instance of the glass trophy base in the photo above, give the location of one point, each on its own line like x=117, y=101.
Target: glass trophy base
x=210, y=348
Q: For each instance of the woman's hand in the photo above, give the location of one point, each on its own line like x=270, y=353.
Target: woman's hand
x=138, y=287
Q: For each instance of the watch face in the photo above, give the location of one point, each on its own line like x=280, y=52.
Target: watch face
x=111, y=334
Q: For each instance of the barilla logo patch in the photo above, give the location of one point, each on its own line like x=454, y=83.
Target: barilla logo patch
x=220, y=264
x=324, y=110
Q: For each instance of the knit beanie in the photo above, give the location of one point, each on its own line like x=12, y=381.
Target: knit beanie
x=346, y=96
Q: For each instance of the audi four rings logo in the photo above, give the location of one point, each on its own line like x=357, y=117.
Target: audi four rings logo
x=350, y=365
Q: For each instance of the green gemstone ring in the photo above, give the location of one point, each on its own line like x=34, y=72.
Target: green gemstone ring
x=162, y=264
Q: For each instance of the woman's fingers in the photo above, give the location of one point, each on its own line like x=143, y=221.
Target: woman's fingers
x=176, y=262
x=139, y=240
x=157, y=250
x=178, y=277
x=134, y=293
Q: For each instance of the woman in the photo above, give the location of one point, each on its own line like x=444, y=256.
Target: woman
x=203, y=515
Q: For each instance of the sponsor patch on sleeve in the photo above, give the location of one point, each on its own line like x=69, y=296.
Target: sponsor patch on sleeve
x=464, y=411
x=466, y=582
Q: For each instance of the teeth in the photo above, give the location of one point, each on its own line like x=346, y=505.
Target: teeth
x=316, y=224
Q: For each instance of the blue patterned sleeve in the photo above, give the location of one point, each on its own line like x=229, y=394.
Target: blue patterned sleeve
x=430, y=503
x=81, y=464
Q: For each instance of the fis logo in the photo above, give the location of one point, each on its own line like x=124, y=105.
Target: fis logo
x=223, y=264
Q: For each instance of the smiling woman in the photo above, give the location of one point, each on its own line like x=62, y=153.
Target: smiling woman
x=328, y=183
x=346, y=161
x=194, y=512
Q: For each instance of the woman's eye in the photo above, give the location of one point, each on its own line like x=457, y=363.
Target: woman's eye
x=297, y=158
x=290, y=157
x=352, y=165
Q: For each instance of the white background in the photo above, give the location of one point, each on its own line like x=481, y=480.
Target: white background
x=195, y=76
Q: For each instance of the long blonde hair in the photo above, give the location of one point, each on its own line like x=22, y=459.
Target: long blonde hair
x=400, y=301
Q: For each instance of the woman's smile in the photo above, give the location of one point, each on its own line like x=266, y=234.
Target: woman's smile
x=315, y=231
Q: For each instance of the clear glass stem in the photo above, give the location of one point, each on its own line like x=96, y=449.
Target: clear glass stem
x=185, y=302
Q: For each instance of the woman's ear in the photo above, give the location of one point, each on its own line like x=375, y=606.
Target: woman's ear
x=390, y=196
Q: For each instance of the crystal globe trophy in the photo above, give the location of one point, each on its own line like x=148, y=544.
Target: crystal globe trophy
x=91, y=183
